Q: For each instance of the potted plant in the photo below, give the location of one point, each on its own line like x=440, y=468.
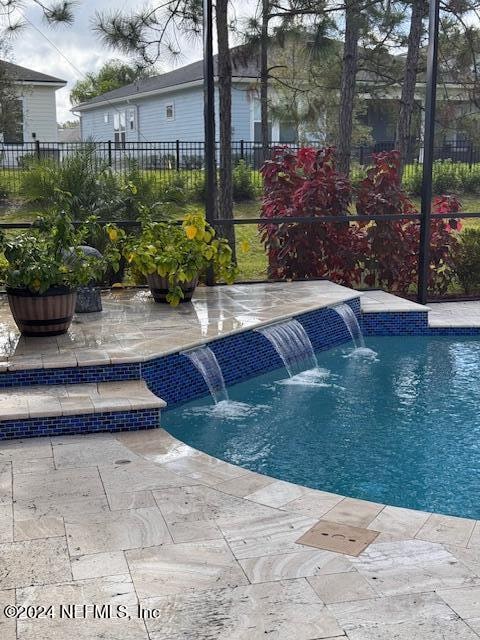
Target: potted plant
x=42, y=269
x=173, y=256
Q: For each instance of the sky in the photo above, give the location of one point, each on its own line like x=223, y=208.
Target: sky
x=68, y=52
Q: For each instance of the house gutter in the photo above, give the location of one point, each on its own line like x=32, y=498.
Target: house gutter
x=156, y=92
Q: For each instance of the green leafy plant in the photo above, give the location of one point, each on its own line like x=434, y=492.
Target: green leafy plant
x=179, y=253
x=466, y=260
x=243, y=187
x=49, y=254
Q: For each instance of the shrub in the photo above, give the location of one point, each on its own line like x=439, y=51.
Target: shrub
x=4, y=191
x=198, y=189
x=393, y=246
x=412, y=179
x=446, y=178
x=243, y=187
x=81, y=174
x=306, y=183
x=466, y=260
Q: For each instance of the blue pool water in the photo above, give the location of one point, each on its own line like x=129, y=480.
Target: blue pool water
x=401, y=429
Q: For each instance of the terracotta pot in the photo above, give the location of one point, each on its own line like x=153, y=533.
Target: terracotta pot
x=46, y=314
x=159, y=288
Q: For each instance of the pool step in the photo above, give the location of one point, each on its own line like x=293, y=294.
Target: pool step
x=78, y=408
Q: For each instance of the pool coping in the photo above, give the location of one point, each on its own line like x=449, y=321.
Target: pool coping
x=69, y=360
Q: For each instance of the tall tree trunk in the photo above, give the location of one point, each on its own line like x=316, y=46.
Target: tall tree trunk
x=348, y=84
x=407, y=99
x=265, y=138
x=225, y=195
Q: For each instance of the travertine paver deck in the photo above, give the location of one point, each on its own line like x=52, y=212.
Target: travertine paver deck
x=133, y=328
x=454, y=314
x=142, y=519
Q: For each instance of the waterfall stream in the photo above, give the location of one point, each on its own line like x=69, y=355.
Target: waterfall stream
x=292, y=344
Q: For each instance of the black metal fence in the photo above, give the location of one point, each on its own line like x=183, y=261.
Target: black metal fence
x=165, y=161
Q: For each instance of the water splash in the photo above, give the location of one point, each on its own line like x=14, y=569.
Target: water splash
x=228, y=410
x=206, y=363
x=317, y=377
x=292, y=344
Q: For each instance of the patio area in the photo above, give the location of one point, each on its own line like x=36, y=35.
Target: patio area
x=177, y=545
x=208, y=550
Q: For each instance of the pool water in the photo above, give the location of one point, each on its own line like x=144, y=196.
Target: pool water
x=401, y=428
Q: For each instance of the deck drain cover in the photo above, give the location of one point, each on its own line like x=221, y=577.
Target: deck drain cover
x=340, y=538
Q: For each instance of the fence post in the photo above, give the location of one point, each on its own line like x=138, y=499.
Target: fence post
x=361, y=159
x=242, y=149
x=109, y=153
x=470, y=155
x=177, y=154
x=37, y=149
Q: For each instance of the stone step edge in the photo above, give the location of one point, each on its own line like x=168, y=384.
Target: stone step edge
x=24, y=403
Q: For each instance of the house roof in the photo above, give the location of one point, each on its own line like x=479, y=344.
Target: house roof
x=242, y=67
x=22, y=74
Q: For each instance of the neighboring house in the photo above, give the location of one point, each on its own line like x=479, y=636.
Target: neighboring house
x=34, y=116
x=69, y=134
x=169, y=107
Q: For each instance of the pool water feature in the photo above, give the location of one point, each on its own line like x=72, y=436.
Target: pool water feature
x=291, y=342
x=350, y=319
x=403, y=429
x=205, y=361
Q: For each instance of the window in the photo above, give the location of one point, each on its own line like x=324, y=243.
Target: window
x=258, y=131
x=106, y=117
x=11, y=121
x=169, y=112
x=287, y=132
x=132, y=120
x=119, y=127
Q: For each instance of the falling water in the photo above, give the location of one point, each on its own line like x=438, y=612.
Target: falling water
x=206, y=362
x=348, y=316
x=292, y=344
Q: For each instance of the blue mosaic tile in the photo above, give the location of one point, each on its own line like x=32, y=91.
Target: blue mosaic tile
x=405, y=323
x=241, y=356
x=88, y=423
x=71, y=375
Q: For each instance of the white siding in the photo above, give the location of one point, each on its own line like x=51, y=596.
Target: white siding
x=39, y=113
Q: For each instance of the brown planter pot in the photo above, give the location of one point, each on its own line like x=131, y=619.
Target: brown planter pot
x=39, y=315
x=159, y=288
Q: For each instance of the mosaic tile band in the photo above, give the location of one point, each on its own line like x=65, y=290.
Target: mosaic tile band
x=88, y=423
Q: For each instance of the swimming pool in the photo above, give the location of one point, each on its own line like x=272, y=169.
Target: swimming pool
x=402, y=428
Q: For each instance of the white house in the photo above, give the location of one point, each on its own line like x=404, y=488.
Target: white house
x=35, y=117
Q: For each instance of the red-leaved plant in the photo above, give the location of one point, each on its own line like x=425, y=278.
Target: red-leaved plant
x=382, y=253
x=392, y=261
x=306, y=183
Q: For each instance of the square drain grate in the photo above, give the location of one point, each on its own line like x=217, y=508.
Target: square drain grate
x=340, y=538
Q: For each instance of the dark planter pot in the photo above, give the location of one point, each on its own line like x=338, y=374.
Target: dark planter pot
x=40, y=315
x=159, y=288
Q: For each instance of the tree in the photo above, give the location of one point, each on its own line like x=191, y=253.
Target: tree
x=407, y=99
x=54, y=12
x=112, y=75
x=353, y=19
x=225, y=194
